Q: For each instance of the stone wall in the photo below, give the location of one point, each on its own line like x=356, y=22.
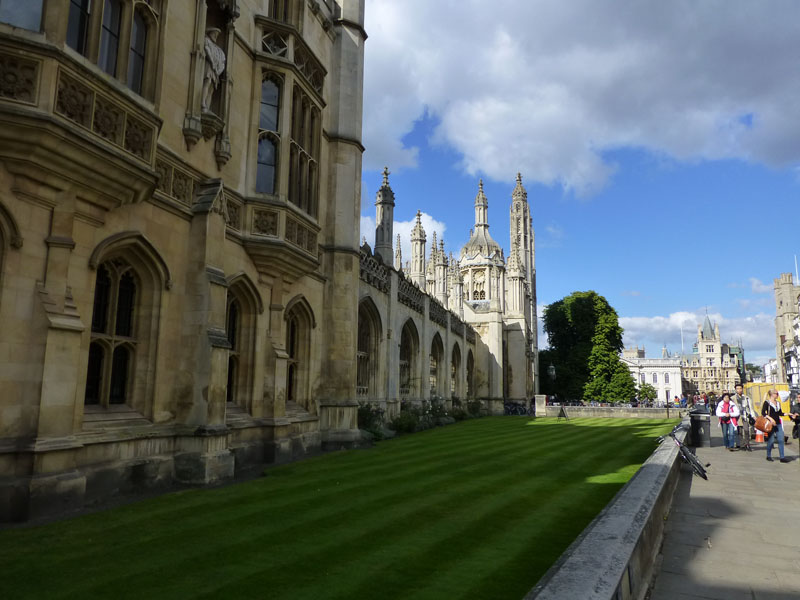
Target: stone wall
x=615, y=411
x=614, y=556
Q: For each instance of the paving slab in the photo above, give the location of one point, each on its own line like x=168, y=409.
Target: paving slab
x=736, y=535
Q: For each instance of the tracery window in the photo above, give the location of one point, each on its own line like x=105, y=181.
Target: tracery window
x=26, y=14
x=455, y=367
x=268, y=136
x=408, y=352
x=118, y=36
x=363, y=358
x=304, y=152
x=470, y=375
x=285, y=11
x=434, y=377
x=298, y=326
x=232, y=332
x=113, y=341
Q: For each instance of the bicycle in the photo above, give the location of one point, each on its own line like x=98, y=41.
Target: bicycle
x=686, y=455
x=518, y=408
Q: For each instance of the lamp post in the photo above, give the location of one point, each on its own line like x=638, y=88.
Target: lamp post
x=551, y=371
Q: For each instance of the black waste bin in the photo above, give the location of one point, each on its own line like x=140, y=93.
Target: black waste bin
x=701, y=428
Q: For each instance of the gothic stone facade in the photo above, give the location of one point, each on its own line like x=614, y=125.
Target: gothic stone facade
x=179, y=258
x=441, y=327
x=712, y=367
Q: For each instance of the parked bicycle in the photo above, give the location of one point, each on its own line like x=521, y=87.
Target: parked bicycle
x=686, y=454
x=518, y=408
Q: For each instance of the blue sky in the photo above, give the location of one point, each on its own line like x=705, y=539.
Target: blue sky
x=659, y=147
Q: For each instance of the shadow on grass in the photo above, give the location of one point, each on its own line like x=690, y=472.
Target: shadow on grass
x=479, y=509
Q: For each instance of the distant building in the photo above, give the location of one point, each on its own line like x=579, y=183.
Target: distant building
x=787, y=295
x=712, y=367
x=772, y=371
x=663, y=373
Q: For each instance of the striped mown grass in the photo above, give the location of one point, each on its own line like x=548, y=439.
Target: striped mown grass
x=475, y=510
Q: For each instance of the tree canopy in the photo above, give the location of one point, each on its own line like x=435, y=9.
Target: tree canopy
x=585, y=342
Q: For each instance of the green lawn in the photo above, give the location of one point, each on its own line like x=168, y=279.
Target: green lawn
x=475, y=510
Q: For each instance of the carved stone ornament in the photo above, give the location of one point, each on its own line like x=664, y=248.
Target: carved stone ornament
x=138, y=138
x=182, y=187
x=164, y=171
x=18, y=78
x=265, y=222
x=212, y=124
x=234, y=220
x=108, y=120
x=74, y=100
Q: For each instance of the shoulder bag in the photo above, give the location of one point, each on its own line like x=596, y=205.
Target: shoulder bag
x=763, y=424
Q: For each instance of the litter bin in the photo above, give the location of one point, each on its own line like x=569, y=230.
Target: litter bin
x=701, y=428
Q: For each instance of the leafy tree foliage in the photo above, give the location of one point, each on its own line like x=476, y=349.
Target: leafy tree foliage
x=585, y=342
x=647, y=392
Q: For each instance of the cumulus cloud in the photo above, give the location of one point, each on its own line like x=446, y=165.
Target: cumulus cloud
x=758, y=287
x=549, y=91
x=756, y=332
x=403, y=228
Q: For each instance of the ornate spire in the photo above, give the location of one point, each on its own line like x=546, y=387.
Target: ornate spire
x=418, y=233
x=519, y=192
x=385, y=194
x=398, y=256
x=480, y=198
x=433, y=246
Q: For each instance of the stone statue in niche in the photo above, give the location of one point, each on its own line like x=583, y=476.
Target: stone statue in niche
x=215, y=65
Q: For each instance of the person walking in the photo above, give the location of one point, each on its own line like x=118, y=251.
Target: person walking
x=773, y=411
x=728, y=413
x=747, y=416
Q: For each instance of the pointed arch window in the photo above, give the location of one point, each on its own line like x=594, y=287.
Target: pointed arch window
x=78, y=25
x=435, y=366
x=363, y=356
x=299, y=322
x=120, y=36
x=455, y=368
x=113, y=340
x=268, y=136
x=407, y=363
x=109, y=36
x=470, y=375
x=304, y=152
x=138, y=52
x=232, y=331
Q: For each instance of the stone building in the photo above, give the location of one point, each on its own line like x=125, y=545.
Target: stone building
x=182, y=290
x=787, y=312
x=179, y=257
x=465, y=328
x=663, y=373
x=712, y=367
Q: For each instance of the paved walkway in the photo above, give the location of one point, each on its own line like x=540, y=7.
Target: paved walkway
x=737, y=535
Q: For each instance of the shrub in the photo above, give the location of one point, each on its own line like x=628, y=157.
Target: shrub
x=370, y=418
x=474, y=408
x=459, y=414
x=407, y=421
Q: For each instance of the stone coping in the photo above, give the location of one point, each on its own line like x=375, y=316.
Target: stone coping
x=614, y=556
x=617, y=411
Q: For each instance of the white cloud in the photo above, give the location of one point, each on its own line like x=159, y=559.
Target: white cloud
x=429, y=224
x=548, y=91
x=756, y=332
x=758, y=287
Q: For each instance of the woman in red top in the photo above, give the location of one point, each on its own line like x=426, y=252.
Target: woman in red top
x=728, y=414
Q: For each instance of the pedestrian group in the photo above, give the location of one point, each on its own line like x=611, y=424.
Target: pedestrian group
x=737, y=418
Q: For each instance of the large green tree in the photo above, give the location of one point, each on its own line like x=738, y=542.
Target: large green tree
x=585, y=341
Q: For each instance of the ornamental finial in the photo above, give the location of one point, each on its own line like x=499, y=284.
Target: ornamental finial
x=385, y=175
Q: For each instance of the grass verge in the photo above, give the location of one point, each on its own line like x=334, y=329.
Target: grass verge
x=476, y=510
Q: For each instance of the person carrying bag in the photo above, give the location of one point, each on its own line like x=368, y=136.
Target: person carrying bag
x=771, y=409
x=748, y=416
x=728, y=414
